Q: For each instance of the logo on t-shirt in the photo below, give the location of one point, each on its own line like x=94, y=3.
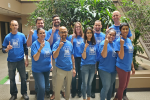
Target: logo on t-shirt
x=92, y=50
x=114, y=54
x=130, y=47
x=46, y=52
x=15, y=43
x=78, y=43
x=99, y=40
x=66, y=51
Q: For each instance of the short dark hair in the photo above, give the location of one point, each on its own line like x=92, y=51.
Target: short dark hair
x=54, y=16
x=39, y=29
x=39, y=18
x=123, y=24
x=92, y=39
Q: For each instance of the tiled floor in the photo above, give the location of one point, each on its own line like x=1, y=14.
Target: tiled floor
x=5, y=95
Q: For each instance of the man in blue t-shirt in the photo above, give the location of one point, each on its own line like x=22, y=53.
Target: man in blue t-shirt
x=15, y=44
x=65, y=65
x=33, y=37
x=99, y=37
x=53, y=37
x=116, y=18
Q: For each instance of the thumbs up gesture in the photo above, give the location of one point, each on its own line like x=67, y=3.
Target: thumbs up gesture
x=86, y=44
x=61, y=43
x=42, y=45
x=9, y=46
x=121, y=41
x=31, y=31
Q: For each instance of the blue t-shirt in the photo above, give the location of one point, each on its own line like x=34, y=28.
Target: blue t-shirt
x=125, y=63
x=43, y=64
x=116, y=28
x=108, y=64
x=69, y=38
x=76, y=46
x=64, y=61
x=34, y=36
x=90, y=54
x=16, y=40
x=56, y=36
x=99, y=37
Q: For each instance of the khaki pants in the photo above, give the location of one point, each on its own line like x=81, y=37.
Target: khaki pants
x=62, y=76
x=54, y=77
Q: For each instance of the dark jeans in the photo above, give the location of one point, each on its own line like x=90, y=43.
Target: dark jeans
x=94, y=81
x=77, y=65
x=41, y=80
x=20, y=66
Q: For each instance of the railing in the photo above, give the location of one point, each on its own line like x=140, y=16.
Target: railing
x=145, y=41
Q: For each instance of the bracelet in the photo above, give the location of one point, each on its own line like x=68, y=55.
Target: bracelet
x=39, y=51
x=74, y=68
x=84, y=51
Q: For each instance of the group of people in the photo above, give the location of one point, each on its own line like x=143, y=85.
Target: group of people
x=80, y=54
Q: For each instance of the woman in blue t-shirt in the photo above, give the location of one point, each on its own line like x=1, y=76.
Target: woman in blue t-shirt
x=124, y=48
x=107, y=70
x=41, y=63
x=88, y=60
x=76, y=41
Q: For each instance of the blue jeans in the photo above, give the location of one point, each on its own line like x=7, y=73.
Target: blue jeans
x=88, y=72
x=41, y=80
x=20, y=66
x=107, y=81
x=78, y=67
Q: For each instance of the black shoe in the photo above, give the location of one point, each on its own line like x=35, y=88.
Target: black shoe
x=79, y=94
x=13, y=97
x=47, y=94
x=92, y=95
x=73, y=95
x=25, y=96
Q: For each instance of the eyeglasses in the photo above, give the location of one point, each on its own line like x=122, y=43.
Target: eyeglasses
x=88, y=32
x=63, y=32
x=78, y=27
x=55, y=19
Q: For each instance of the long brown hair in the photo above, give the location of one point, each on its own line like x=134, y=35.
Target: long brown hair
x=74, y=30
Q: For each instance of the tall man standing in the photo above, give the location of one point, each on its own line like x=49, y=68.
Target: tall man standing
x=63, y=54
x=53, y=37
x=99, y=37
x=15, y=44
x=116, y=18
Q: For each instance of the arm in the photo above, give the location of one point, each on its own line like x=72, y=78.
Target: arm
x=133, y=70
x=26, y=54
x=121, y=52
x=56, y=53
x=104, y=51
x=50, y=40
x=84, y=51
x=29, y=40
x=37, y=55
x=73, y=64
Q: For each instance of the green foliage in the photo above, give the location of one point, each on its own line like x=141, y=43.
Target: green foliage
x=71, y=11
x=139, y=15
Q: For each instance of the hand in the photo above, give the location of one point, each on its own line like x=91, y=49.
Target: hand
x=74, y=72
x=106, y=41
x=86, y=44
x=51, y=68
x=133, y=71
x=107, y=29
x=73, y=35
x=61, y=43
x=9, y=46
x=53, y=28
x=26, y=62
x=31, y=31
x=121, y=41
x=93, y=30
x=42, y=45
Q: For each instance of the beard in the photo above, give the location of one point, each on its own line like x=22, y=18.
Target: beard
x=56, y=25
